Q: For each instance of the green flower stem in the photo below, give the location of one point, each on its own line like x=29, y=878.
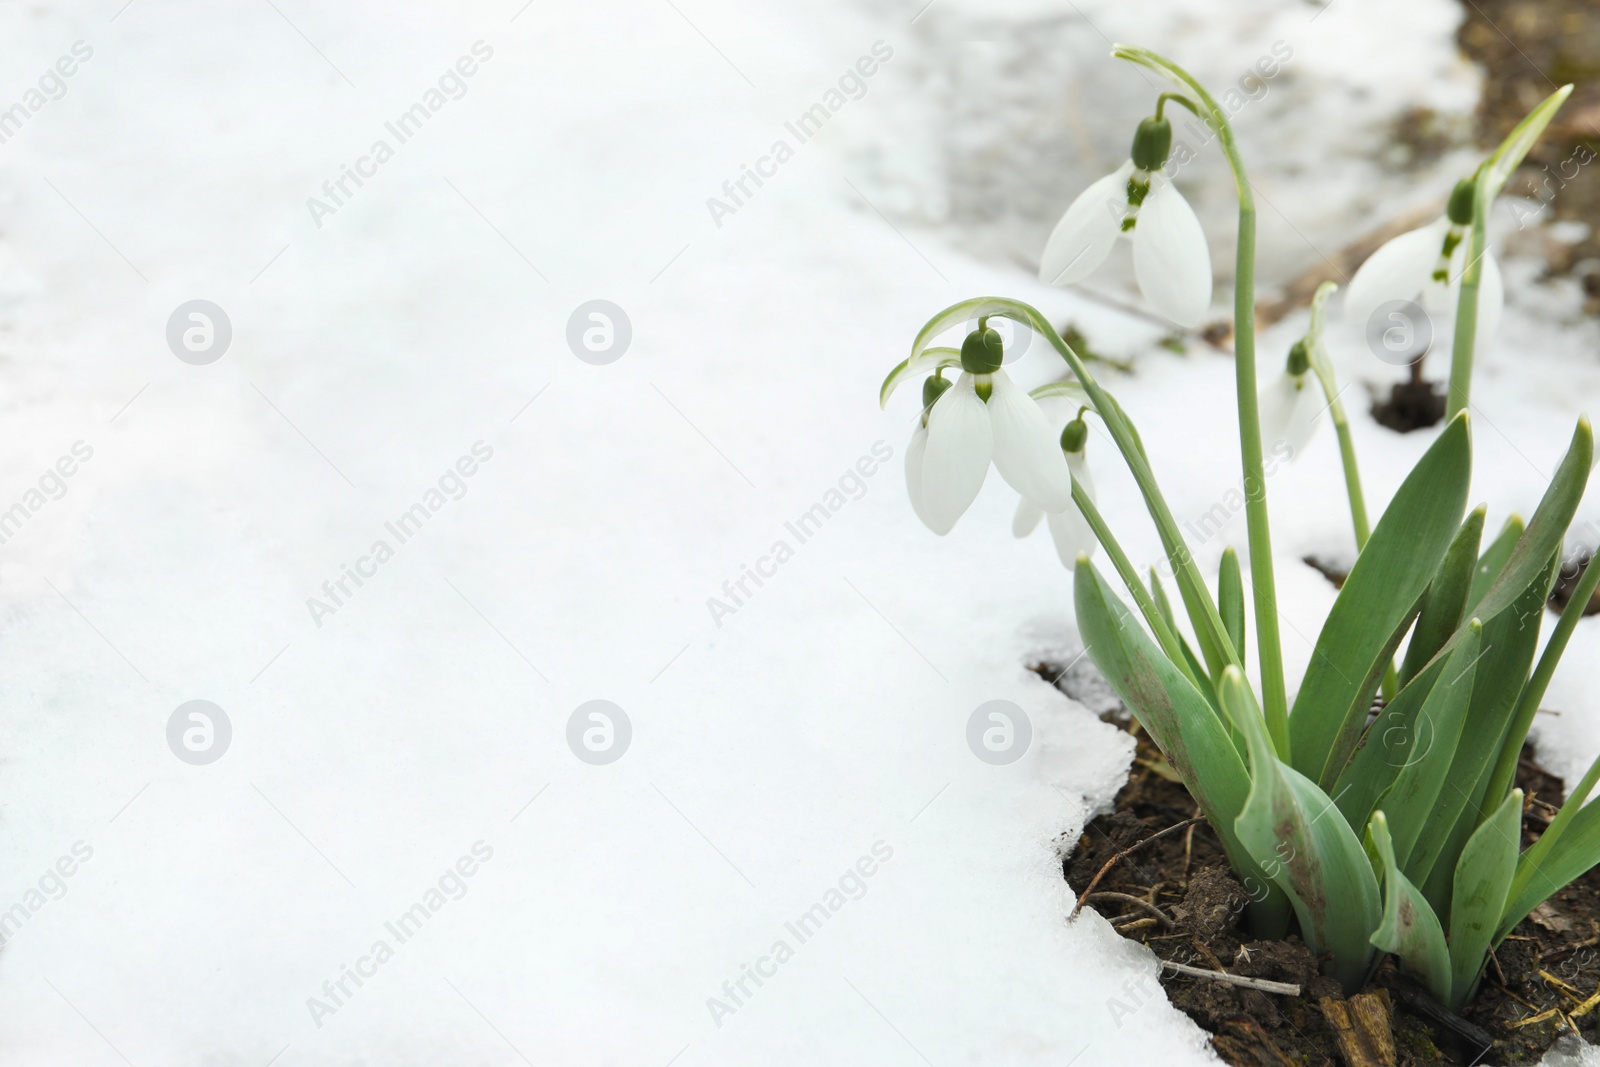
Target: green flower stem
x=1130, y=577
x=1461, y=354
x=1352, y=476
x=1213, y=636
x=1275, y=701
x=1505, y=769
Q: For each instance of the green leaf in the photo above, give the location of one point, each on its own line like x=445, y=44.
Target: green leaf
x=1509, y=640
x=1409, y=927
x=1446, y=599
x=1197, y=670
x=1180, y=720
x=1505, y=159
x=1568, y=848
x=1533, y=691
x=1412, y=798
x=1548, y=526
x=1230, y=597
x=1493, y=560
x=1483, y=878
x=1576, y=852
x=1377, y=603
x=1296, y=835
x=1387, y=746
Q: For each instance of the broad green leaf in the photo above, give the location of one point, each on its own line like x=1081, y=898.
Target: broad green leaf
x=1446, y=598
x=1493, y=560
x=1509, y=640
x=1377, y=603
x=1186, y=728
x=1197, y=670
x=1230, y=597
x=1548, y=526
x=1576, y=852
x=1411, y=800
x=1505, y=159
x=1391, y=742
x=1483, y=878
x=1299, y=840
x=1567, y=848
x=1533, y=691
x=1409, y=927
x=925, y=363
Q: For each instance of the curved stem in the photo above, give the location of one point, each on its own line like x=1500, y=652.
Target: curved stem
x=1275, y=702
x=1177, y=98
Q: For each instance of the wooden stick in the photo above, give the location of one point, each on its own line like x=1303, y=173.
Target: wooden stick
x=1101, y=873
x=1287, y=989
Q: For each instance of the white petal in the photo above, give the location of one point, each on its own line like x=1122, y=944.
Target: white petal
x=1072, y=535
x=960, y=445
x=1027, y=517
x=1087, y=231
x=1396, y=271
x=915, y=452
x=1027, y=449
x=1069, y=529
x=1290, y=408
x=1170, y=257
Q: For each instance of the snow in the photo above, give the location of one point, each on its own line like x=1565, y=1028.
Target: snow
x=418, y=728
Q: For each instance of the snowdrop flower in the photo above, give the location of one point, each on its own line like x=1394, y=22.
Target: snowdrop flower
x=1068, y=529
x=1429, y=261
x=1291, y=404
x=982, y=417
x=1170, y=257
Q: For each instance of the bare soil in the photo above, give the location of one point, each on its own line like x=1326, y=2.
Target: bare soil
x=1177, y=896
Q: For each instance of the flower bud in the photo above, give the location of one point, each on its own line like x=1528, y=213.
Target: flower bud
x=1299, y=359
x=1152, y=142
x=1461, y=198
x=1075, y=435
x=982, y=351
x=932, y=389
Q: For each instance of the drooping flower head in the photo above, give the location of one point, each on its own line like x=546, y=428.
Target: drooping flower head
x=1137, y=201
x=1291, y=403
x=981, y=417
x=1428, y=262
x=1068, y=529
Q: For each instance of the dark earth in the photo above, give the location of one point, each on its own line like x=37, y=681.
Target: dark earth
x=1178, y=896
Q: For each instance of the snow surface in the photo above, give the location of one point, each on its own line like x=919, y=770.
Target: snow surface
x=819, y=727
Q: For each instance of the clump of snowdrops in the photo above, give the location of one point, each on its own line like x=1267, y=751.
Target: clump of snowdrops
x=1396, y=832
